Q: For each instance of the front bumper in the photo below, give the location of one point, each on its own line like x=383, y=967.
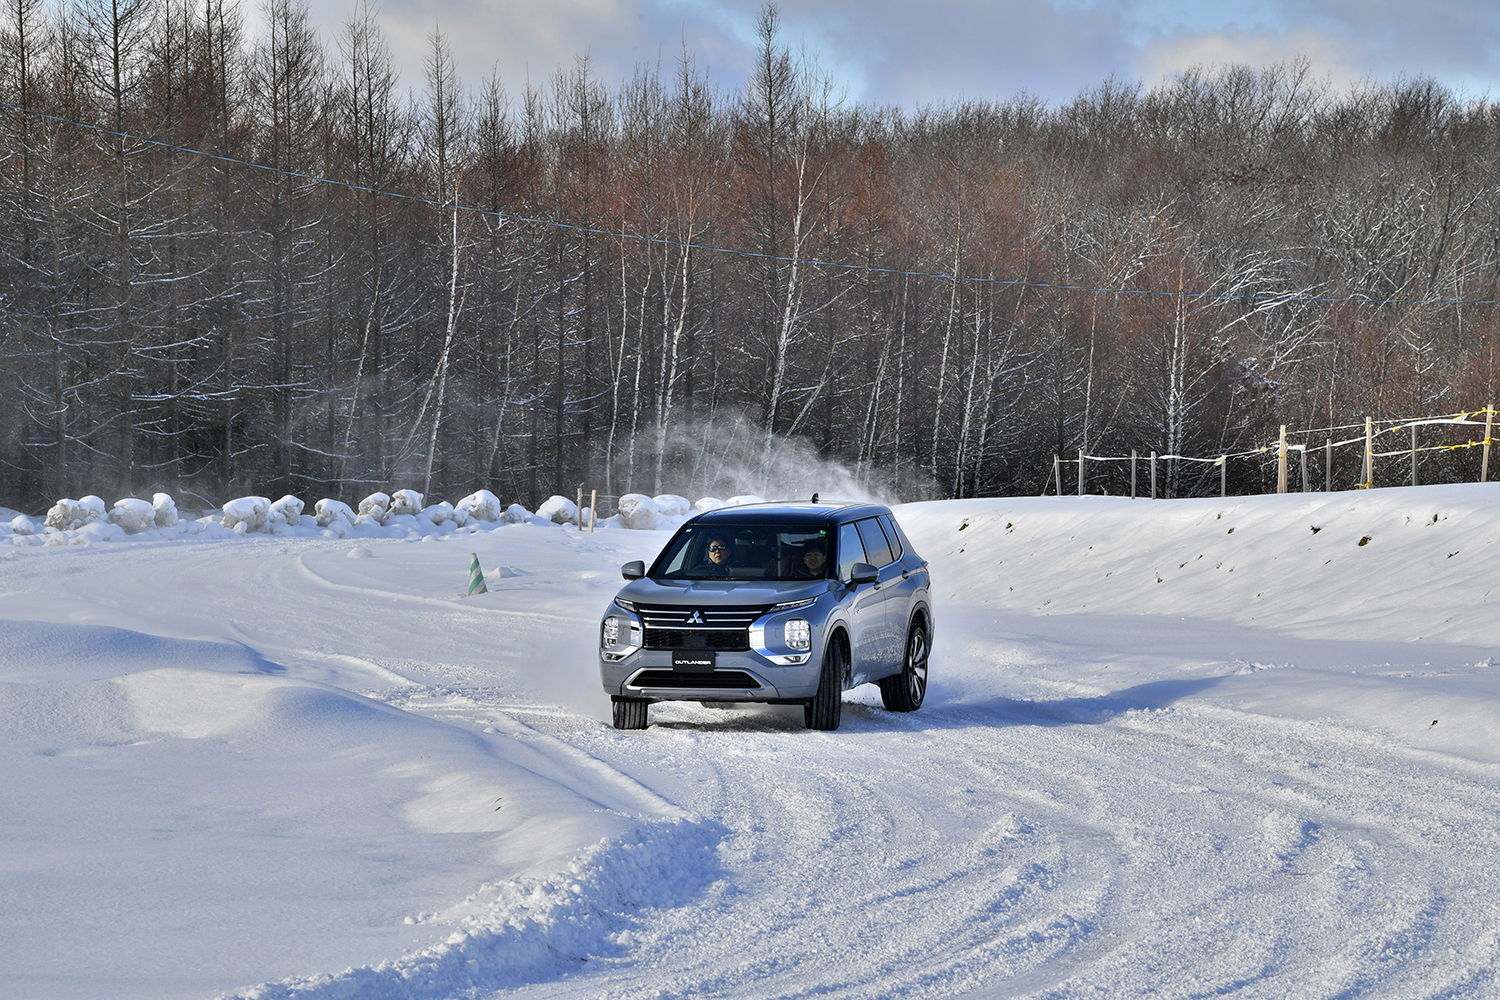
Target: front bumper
x=737, y=676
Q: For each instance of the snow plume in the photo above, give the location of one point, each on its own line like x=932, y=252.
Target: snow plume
x=524, y=930
x=728, y=454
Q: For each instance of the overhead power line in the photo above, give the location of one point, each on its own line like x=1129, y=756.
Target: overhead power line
x=732, y=251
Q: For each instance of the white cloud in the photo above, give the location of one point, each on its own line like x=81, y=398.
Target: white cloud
x=1332, y=57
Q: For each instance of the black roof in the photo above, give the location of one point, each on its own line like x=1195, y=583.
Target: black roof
x=790, y=513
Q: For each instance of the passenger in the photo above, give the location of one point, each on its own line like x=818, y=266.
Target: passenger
x=812, y=565
x=720, y=552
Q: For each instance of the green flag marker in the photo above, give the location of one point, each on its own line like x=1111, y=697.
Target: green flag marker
x=476, y=578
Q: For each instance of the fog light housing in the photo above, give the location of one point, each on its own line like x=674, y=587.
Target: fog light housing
x=798, y=634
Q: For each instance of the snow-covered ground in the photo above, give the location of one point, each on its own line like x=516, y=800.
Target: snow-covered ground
x=1178, y=748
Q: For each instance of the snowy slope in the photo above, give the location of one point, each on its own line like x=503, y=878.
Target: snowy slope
x=253, y=760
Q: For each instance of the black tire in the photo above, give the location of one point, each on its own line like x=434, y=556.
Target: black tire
x=826, y=708
x=904, y=692
x=630, y=713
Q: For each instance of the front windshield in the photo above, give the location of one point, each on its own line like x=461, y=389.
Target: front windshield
x=745, y=552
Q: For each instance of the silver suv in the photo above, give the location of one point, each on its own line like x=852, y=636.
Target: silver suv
x=782, y=603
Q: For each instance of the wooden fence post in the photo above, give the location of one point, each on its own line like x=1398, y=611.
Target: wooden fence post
x=1328, y=466
x=1057, y=473
x=1223, y=476
x=1080, y=472
x=1281, y=462
x=1132, y=473
x=1414, y=454
x=1153, y=475
x=579, y=508
x=1489, y=423
x=1305, y=487
x=593, y=509
x=1369, y=455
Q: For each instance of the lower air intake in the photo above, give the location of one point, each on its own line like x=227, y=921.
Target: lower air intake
x=727, y=679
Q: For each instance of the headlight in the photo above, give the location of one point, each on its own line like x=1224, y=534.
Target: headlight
x=611, y=631
x=798, y=634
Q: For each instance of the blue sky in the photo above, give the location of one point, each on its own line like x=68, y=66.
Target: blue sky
x=889, y=51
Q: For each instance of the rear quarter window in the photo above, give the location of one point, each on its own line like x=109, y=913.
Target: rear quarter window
x=877, y=549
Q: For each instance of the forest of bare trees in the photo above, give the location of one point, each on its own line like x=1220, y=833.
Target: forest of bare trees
x=237, y=264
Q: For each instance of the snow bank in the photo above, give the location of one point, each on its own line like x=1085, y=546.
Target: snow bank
x=558, y=510
x=744, y=499
x=707, y=504
x=22, y=525
x=523, y=930
x=515, y=514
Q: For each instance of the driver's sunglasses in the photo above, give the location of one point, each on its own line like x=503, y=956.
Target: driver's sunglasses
x=718, y=548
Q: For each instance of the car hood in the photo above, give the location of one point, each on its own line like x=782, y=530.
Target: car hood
x=723, y=593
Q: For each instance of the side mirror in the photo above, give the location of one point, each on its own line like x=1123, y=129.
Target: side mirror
x=864, y=573
x=633, y=570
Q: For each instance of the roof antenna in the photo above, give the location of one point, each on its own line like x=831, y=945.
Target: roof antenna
x=815, y=498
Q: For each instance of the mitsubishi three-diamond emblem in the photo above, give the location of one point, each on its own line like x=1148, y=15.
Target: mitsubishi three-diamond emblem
x=695, y=618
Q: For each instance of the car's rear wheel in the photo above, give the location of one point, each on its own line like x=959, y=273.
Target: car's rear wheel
x=904, y=692
x=826, y=708
x=630, y=713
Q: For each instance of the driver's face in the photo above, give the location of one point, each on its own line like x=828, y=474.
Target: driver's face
x=814, y=560
x=718, y=551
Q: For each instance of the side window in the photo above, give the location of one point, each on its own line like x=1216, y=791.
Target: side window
x=889, y=524
x=876, y=547
x=851, y=550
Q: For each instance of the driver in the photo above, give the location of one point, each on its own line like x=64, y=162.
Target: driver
x=720, y=549
x=812, y=564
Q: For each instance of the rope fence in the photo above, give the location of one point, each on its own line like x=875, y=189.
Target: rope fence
x=1283, y=449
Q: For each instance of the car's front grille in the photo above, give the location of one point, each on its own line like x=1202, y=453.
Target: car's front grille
x=699, y=679
x=676, y=616
x=701, y=638
x=677, y=626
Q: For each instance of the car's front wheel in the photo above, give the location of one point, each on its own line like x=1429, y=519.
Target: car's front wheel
x=630, y=713
x=904, y=692
x=826, y=708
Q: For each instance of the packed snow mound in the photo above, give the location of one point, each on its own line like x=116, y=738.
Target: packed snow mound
x=246, y=514
x=164, y=509
x=406, y=502
x=481, y=505
x=515, y=514
x=707, y=504
x=287, y=511
x=376, y=507
x=439, y=513
x=68, y=515
x=672, y=505
x=638, y=511
x=740, y=501
x=22, y=525
x=133, y=515
x=328, y=511
x=558, y=510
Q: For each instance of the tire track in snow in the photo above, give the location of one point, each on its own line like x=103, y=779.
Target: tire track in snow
x=1182, y=851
